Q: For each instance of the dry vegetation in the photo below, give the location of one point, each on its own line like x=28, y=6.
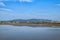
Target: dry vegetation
x=31, y=23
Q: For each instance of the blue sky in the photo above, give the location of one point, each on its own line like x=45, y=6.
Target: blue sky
x=28, y=9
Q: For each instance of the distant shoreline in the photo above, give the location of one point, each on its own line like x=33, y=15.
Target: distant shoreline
x=31, y=24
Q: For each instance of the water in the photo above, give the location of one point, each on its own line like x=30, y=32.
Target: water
x=9, y=32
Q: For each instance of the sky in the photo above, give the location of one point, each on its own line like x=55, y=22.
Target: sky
x=29, y=9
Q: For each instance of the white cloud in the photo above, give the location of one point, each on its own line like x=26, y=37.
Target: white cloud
x=58, y=4
x=4, y=0
x=25, y=0
x=2, y=4
x=18, y=0
x=5, y=9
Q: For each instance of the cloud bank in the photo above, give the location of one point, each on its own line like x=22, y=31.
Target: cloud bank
x=2, y=4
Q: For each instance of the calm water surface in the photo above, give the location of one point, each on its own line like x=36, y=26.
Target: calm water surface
x=9, y=32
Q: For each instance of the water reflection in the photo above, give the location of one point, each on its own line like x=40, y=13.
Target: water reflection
x=9, y=32
x=38, y=26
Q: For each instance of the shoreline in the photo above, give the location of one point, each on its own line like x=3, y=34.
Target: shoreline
x=32, y=24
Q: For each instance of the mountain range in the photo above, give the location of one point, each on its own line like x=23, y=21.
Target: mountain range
x=30, y=20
